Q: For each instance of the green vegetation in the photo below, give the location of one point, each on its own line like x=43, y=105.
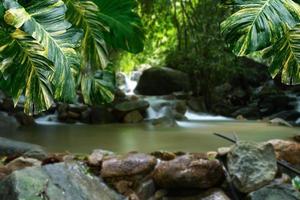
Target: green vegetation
x=51, y=48
x=267, y=28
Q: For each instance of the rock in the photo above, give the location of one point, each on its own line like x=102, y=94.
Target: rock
x=280, y=122
x=129, y=106
x=222, y=151
x=212, y=194
x=128, y=165
x=24, y=120
x=63, y=181
x=163, y=122
x=179, y=107
x=287, y=150
x=133, y=117
x=297, y=138
x=4, y=172
x=13, y=148
x=251, y=165
x=164, y=155
x=8, y=122
x=287, y=115
x=7, y=105
x=275, y=192
x=197, y=104
x=96, y=158
x=162, y=81
x=146, y=189
x=21, y=163
x=188, y=171
x=101, y=115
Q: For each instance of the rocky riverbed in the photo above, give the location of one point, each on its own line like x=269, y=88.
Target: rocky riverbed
x=245, y=170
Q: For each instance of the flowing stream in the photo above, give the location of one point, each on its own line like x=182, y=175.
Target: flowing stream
x=192, y=135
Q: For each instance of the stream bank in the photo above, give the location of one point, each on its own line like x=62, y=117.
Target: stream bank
x=245, y=170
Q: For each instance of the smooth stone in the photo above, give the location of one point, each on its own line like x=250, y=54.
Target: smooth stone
x=129, y=106
x=251, y=165
x=133, y=117
x=188, y=171
x=21, y=163
x=97, y=156
x=128, y=165
x=15, y=148
x=287, y=150
x=275, y=192
x=212, y=194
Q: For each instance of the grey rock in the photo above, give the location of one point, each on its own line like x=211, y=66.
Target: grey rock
x=130, y=106
x=63, y=181
x=275, y=192
x=8, y=122
x=251, y=165
x=15, y=148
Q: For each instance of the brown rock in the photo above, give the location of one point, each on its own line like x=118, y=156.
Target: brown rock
x=128, y=165
x=133, y=117
x=297, y=138
x=96, y=158
x=24, y=120
x=164, y=155
x=287, y=150
x=4, y=171
x=21, y=163
x=212, y=194
x=188, y=171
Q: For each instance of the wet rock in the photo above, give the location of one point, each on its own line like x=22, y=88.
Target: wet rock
x=7, y=105
x=8, y=122
x=162, y=81
x=101, y=115
x=15, y=148
x=97, y=156
x=4, y=172
x=64, y=181
x=163, y=122
x=280, y=122
x=275, y=192
x=287, y=150
x=146, y=189
x=21, y=163
x=133, y=117
x=251, y=165
x=24, y=120
x=297, y=138
x=197, y=104
x=212, y=194
x=188, y=171
x=128, y=165
x=129, y=106
x=164, y=155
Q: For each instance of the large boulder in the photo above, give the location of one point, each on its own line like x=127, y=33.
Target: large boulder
x=63, y=181
x=275, y=192
x=15, y=148
x=251, y=165
x=162, y=81
x=188, y=171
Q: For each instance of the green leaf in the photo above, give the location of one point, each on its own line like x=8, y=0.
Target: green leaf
x=296, y=183
x=84, y=15
x=258, y=23
x=98, y=89
x=124, y=25
x=45, y=21
x=286, y=57
x=25, y=70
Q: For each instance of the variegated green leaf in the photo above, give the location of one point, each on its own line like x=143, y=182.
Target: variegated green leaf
x=124, y=25
x=286, y=57
x=85, y=15
x=258, y=23
x=45, y=21
x=25, y=70
x=98, y=89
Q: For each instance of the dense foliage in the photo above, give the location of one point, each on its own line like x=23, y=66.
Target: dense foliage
x=51, y=48
x=269, y=28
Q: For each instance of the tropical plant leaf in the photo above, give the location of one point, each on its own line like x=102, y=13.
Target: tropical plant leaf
x=98, y=89
x=84, y=15
x=124, y=26
x=45, y=21
x=25, y=70
x=258, y=23
x=286, y=57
